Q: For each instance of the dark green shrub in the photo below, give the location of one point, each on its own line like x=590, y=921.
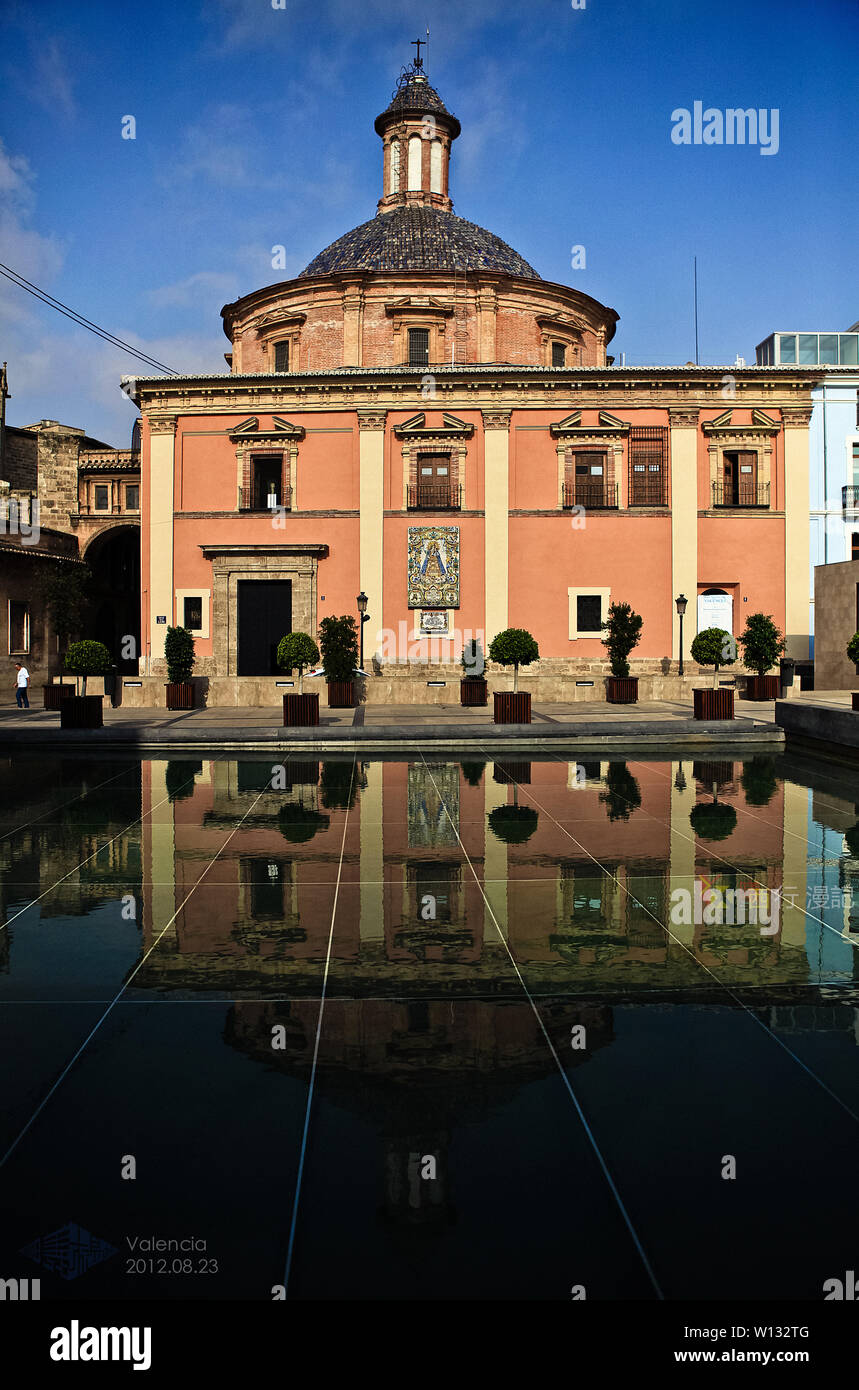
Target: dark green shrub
x=623, y=634
x=295, y=651
x=514, y=647
x=87, y=658
x=714, y=647
x=762, y=643
x=338, y=642
x=179, y=655
x=298, y=824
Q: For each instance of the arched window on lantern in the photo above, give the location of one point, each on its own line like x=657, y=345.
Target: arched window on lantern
x=394, y=172
x=415, y=162
x=435, y=167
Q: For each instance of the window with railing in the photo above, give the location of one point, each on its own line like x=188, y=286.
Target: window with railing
x=436, y=496
x=741, y=493
x=850, y=500
x=648, y=466
x=435, y=488
x=586, y=485
x=266, y=490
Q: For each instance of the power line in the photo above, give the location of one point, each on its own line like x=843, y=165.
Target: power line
x=79, y=319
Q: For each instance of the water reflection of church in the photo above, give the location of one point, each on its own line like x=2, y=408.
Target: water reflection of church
x=450, y=868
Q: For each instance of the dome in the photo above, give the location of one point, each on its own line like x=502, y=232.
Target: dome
x=415, y=94
x=417, y=237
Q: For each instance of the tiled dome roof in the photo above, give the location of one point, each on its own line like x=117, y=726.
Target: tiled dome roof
x=415, y=237
x=416, y=95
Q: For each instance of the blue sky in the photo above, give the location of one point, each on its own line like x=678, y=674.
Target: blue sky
x=255, y=129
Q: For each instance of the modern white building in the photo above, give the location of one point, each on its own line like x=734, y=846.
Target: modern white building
x=833, y=441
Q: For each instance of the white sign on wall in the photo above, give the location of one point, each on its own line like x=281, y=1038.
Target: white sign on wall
x=716, y=610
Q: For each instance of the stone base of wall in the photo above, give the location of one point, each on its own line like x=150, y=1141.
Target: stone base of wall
x=549, y=682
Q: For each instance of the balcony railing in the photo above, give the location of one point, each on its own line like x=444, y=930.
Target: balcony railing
x=850, y=501
x=435, y=497
x=594, y=494
x=253, y=501
x=741, y=495
x=648, y=491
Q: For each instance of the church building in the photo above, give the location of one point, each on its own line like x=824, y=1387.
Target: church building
x=420, y=418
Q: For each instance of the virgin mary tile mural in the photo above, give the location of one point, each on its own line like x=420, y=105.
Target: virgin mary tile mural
x=433, y=567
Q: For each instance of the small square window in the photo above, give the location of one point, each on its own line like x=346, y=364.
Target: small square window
x=559, y=354
x=193, y=614
x=281, y=356
x=102, y=497
x=589, y=612
x=132, y=499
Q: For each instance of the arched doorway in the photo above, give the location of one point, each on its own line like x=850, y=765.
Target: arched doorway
x=114, y=610
x=716, y=609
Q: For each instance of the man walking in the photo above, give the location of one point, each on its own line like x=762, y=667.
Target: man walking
x=23, y=680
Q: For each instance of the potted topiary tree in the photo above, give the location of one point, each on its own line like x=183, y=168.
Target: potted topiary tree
x=65, y=592
x=714, y=647
x=295, y=651
x=180, y=657
x=513, y=647
x=86, y=658
x=338, y=642
x=623, y=634
x=853, y=655
x=473, y=689
x=762, y=643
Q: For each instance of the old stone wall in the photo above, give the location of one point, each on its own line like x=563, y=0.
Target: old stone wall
x=20, y=460
x=836, y=618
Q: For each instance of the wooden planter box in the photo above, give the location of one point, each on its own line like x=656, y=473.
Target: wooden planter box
x=856, y=700
x=82, y=712
x=621, y=690
x=473, y=691
x=300, y=710
x=180, y=694
x=512, y=707
x=763, y=687
x=713, y=704
x=54, y=695
x=341, y=694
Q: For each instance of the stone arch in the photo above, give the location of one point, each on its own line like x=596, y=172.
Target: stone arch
x=113, y=557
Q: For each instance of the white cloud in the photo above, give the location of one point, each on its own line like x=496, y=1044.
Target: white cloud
x=203, y=288
x=51, y=84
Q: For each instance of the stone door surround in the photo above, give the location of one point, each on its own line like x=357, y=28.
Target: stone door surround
x=231, y=563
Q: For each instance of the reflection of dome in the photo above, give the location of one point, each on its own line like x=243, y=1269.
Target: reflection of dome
x=417, y=237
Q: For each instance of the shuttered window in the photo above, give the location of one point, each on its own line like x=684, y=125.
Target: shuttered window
x=281, y=357
x=559, y=354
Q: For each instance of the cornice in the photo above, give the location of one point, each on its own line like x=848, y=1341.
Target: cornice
x=371, y=419
x=495, y=419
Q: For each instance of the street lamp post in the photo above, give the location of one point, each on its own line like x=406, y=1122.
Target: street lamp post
x=681, y=602
x=362, y=602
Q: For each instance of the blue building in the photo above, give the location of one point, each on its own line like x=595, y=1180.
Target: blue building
x=833, y=441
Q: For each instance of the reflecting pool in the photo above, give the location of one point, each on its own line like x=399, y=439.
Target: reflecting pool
x=425, y=1029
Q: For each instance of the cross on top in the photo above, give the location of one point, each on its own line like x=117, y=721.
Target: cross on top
x=418, y=59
